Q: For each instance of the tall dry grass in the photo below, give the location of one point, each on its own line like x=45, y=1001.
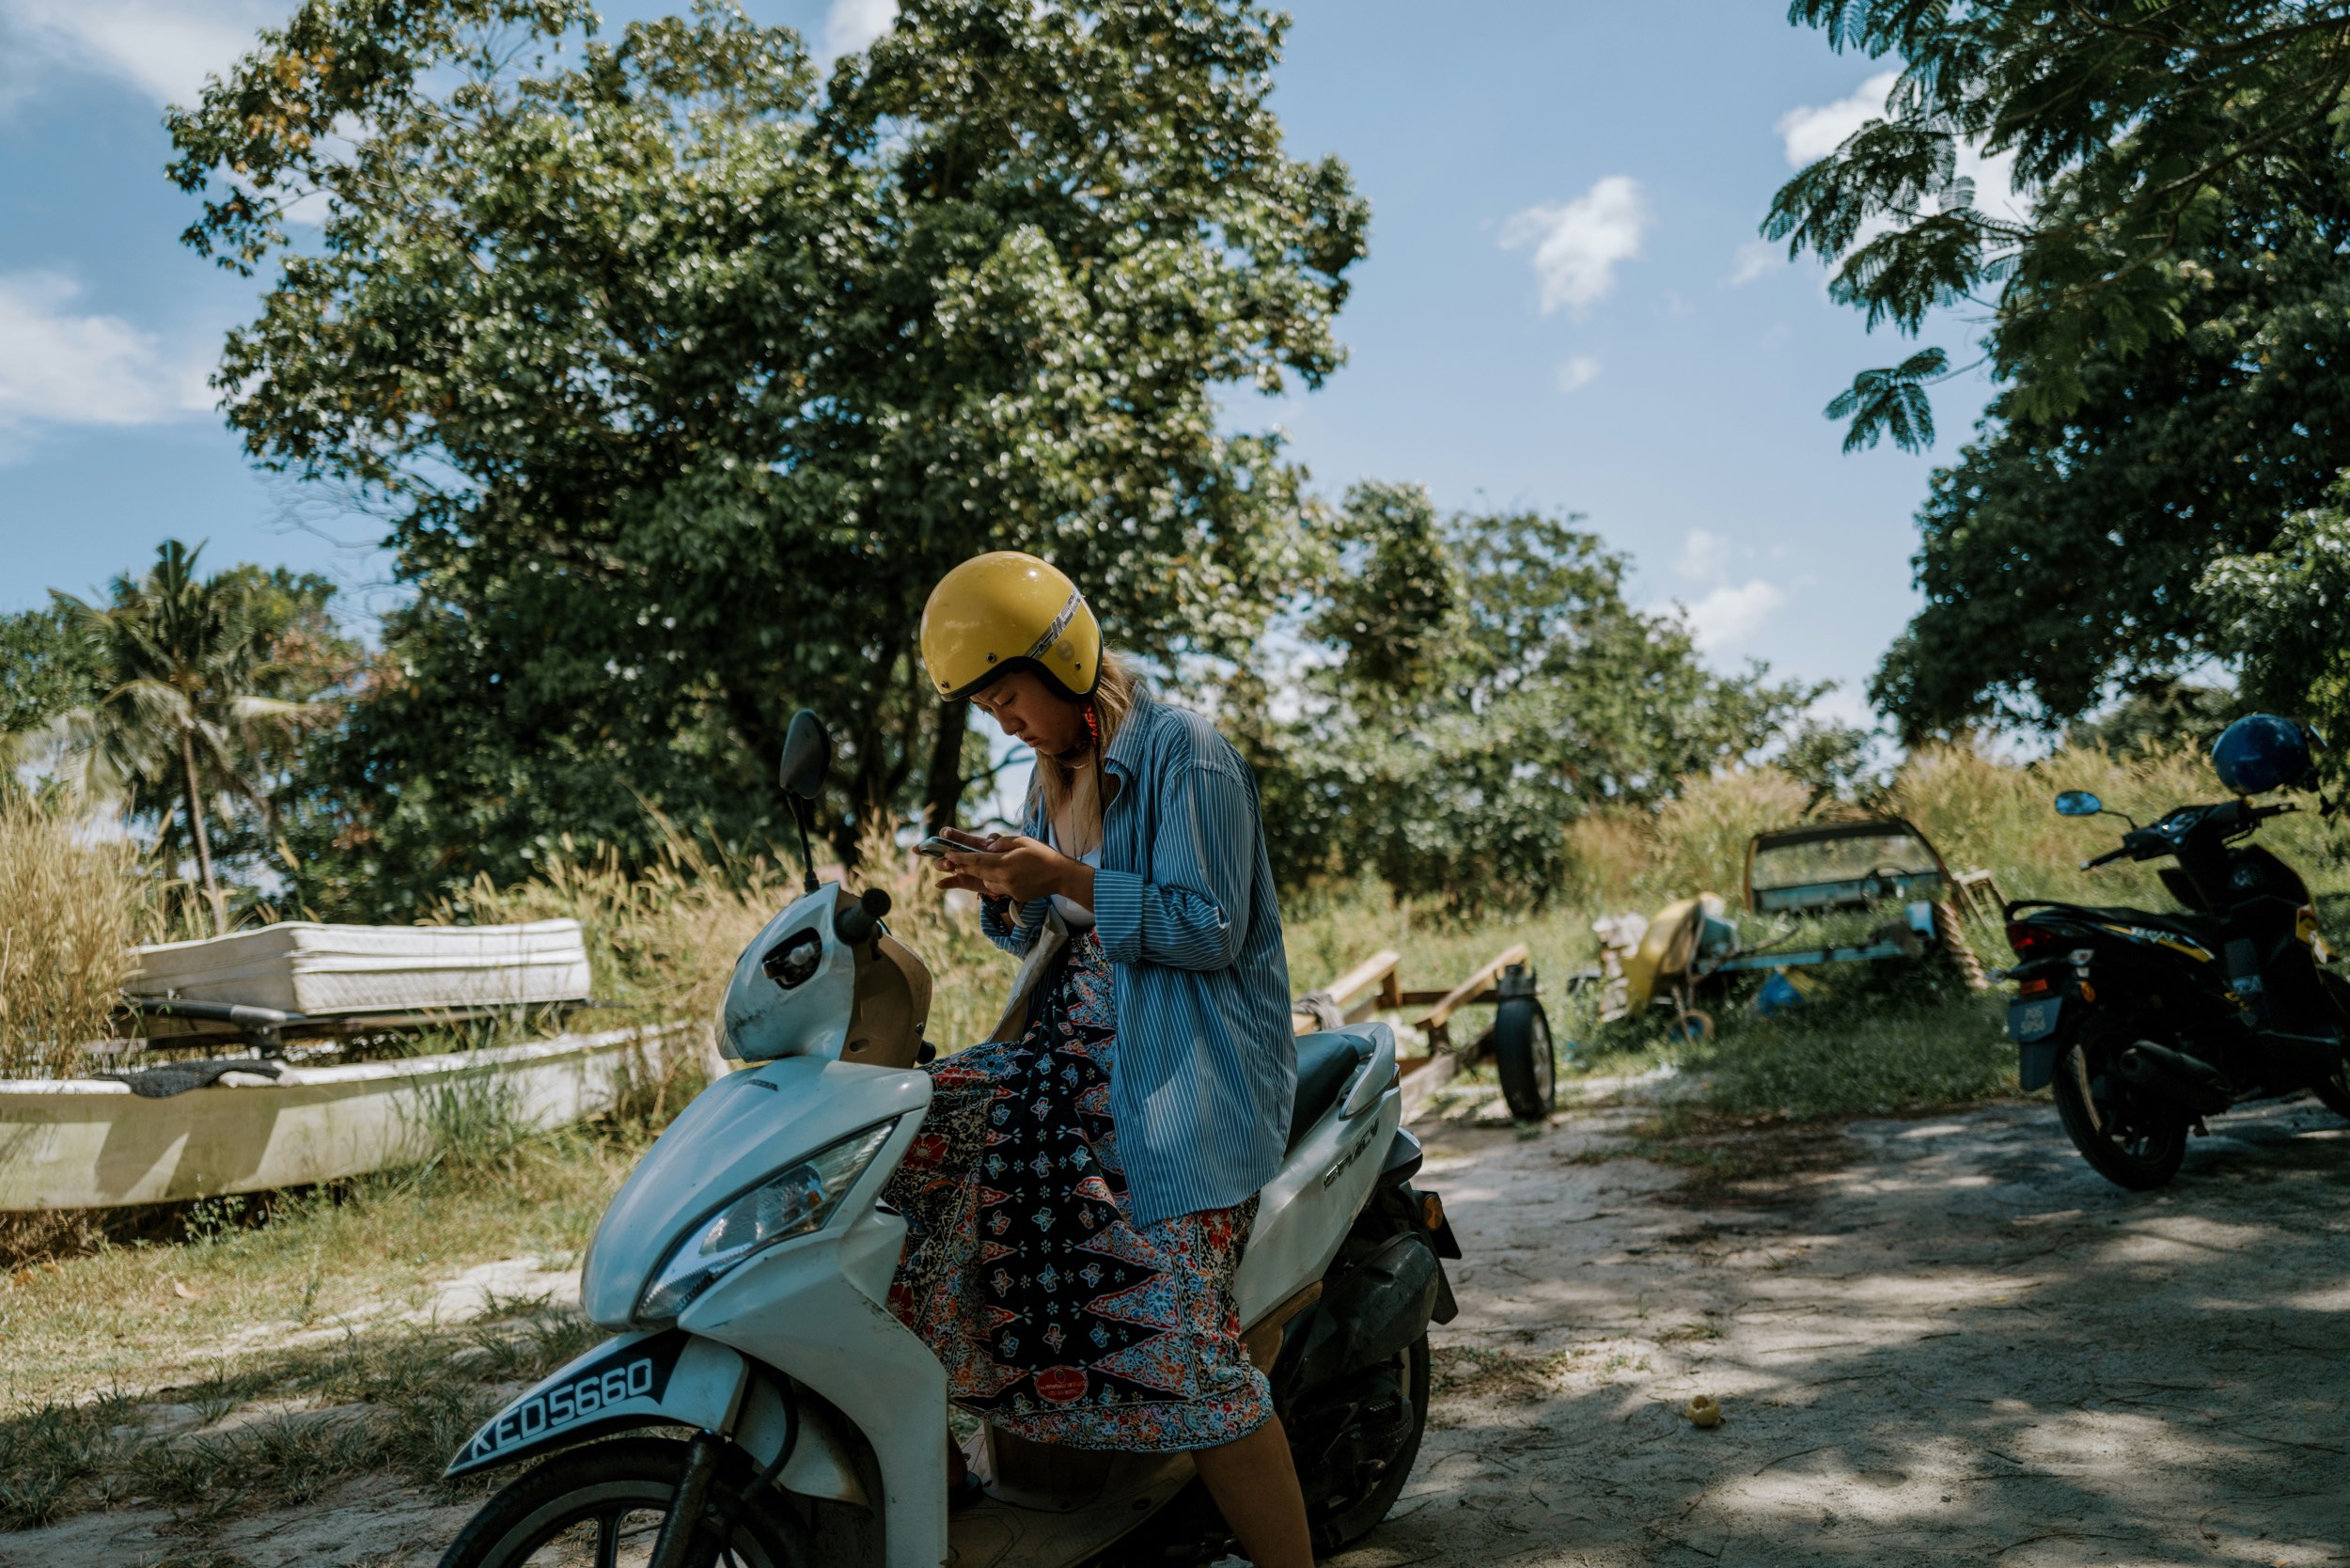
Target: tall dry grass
x=71, y=907
x=662, y=943
x=1882, y=1045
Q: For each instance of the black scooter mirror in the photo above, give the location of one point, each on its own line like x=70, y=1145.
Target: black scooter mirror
x=2078, y=803
x=806, y=757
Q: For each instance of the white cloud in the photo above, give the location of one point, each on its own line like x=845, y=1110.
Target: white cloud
x=1578, y=373
x=165, y=48
x=1725, y=618
x=60, y=367
x=852, y=25
x=1754, y=259
x=1809, y=134
x=1578, y=246
x=1704, y=556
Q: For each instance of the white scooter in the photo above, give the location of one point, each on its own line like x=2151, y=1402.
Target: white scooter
x=746, y=1262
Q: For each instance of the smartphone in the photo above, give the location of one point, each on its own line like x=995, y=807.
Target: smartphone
x=936, y=846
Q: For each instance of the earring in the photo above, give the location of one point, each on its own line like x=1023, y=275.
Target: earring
x=1093, y=724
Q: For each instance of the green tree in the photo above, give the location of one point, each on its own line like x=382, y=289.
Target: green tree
x=1472, y=684
x=46, y=670
x=2283, y=613
x=2137, y=130
x=2164, y=324
x=680, y=377
x=184, y=676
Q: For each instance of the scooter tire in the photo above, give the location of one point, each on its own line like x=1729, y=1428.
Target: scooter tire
x=1342, y=1522
x=2334, y=1093
x=1524, y=1057
x=2141, y=1156
x=619, y=1489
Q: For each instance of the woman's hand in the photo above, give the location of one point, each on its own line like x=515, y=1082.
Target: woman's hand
x=1013, y=865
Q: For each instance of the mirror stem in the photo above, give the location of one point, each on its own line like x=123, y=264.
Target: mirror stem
x=808, y=855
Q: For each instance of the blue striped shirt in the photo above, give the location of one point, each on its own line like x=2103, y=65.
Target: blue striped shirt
x=1184, y=906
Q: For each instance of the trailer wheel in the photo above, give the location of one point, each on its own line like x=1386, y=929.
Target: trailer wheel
x=1522, y=1058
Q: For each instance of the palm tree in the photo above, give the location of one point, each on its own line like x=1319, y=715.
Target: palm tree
x=183, y=664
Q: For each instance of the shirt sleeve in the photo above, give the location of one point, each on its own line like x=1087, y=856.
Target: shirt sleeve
x=1190, y=909
x=1014, y=935
x=1017, y=934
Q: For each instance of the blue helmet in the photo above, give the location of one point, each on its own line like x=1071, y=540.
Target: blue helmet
x=2261, y=752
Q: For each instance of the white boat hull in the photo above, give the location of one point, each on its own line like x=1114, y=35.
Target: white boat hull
x=87, y=1143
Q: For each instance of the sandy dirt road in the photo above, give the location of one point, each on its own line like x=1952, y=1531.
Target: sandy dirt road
x=1959, y=1347
x=1962, y=1347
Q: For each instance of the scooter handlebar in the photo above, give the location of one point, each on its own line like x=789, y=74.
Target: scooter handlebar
x=856, y=924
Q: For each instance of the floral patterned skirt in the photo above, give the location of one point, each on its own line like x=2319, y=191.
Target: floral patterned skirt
x=1057, y=1318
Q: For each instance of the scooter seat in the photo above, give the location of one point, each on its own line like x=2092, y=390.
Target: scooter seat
x=1324, y=1063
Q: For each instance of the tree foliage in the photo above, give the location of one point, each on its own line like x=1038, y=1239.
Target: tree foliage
x=2284, y=614
x=181, y=697
x=2060, y=557
x=1472, y=684
x=2166, y=322
x=678, y=377
x=2136, y=128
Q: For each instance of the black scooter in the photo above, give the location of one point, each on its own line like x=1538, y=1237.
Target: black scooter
x=2148, y=1022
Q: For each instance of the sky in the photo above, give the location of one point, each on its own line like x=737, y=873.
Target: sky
x=1566, y=306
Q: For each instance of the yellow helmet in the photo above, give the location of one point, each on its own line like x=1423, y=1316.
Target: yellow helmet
x=1005, y=611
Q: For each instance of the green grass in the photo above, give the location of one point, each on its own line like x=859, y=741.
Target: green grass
x=156, y=1295
x=279, y=1429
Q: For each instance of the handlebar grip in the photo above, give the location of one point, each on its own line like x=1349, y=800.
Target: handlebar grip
x=2096, y=861
x=856, y=924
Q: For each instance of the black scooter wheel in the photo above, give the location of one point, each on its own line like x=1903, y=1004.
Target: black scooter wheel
x=1522, y=1058
x=2130, y=1138
x=2335, y=1091
x=1338, y=1523
x=604, y=1502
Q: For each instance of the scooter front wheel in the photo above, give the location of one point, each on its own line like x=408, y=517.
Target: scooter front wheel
x=604, y=1503
x=2334, y=1090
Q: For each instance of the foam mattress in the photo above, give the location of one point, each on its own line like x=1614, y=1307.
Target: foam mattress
x=324, y=970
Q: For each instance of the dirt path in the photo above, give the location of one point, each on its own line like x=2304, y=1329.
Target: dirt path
x=1964, y=1347
x=1961, y=1347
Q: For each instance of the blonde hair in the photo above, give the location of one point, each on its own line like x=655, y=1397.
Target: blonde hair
x=1058, y=785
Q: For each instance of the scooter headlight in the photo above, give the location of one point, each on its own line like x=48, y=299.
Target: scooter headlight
x=799, y=1200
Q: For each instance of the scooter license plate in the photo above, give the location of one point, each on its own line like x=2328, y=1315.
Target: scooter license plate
x=2035, y=1020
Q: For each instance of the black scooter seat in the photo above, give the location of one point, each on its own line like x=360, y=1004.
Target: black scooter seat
x=1324, y=1063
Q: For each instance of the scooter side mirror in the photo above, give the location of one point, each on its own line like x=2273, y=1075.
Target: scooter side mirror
x=2078, y=803
x=806, y=757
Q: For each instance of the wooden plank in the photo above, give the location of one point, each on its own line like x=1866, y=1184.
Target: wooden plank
x=1420, y=1085
x=1438, y=1020
x=1361, y=992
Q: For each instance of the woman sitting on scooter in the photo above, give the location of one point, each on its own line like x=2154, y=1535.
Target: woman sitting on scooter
x=1084, y=1181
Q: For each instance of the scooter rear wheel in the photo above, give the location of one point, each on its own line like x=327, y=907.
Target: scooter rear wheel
x=2128, y=1138
x=604, y=1503
x=1339, y=1522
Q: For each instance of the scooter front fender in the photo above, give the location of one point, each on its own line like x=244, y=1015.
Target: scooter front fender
x=668, y=1377
x=816, y=1315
